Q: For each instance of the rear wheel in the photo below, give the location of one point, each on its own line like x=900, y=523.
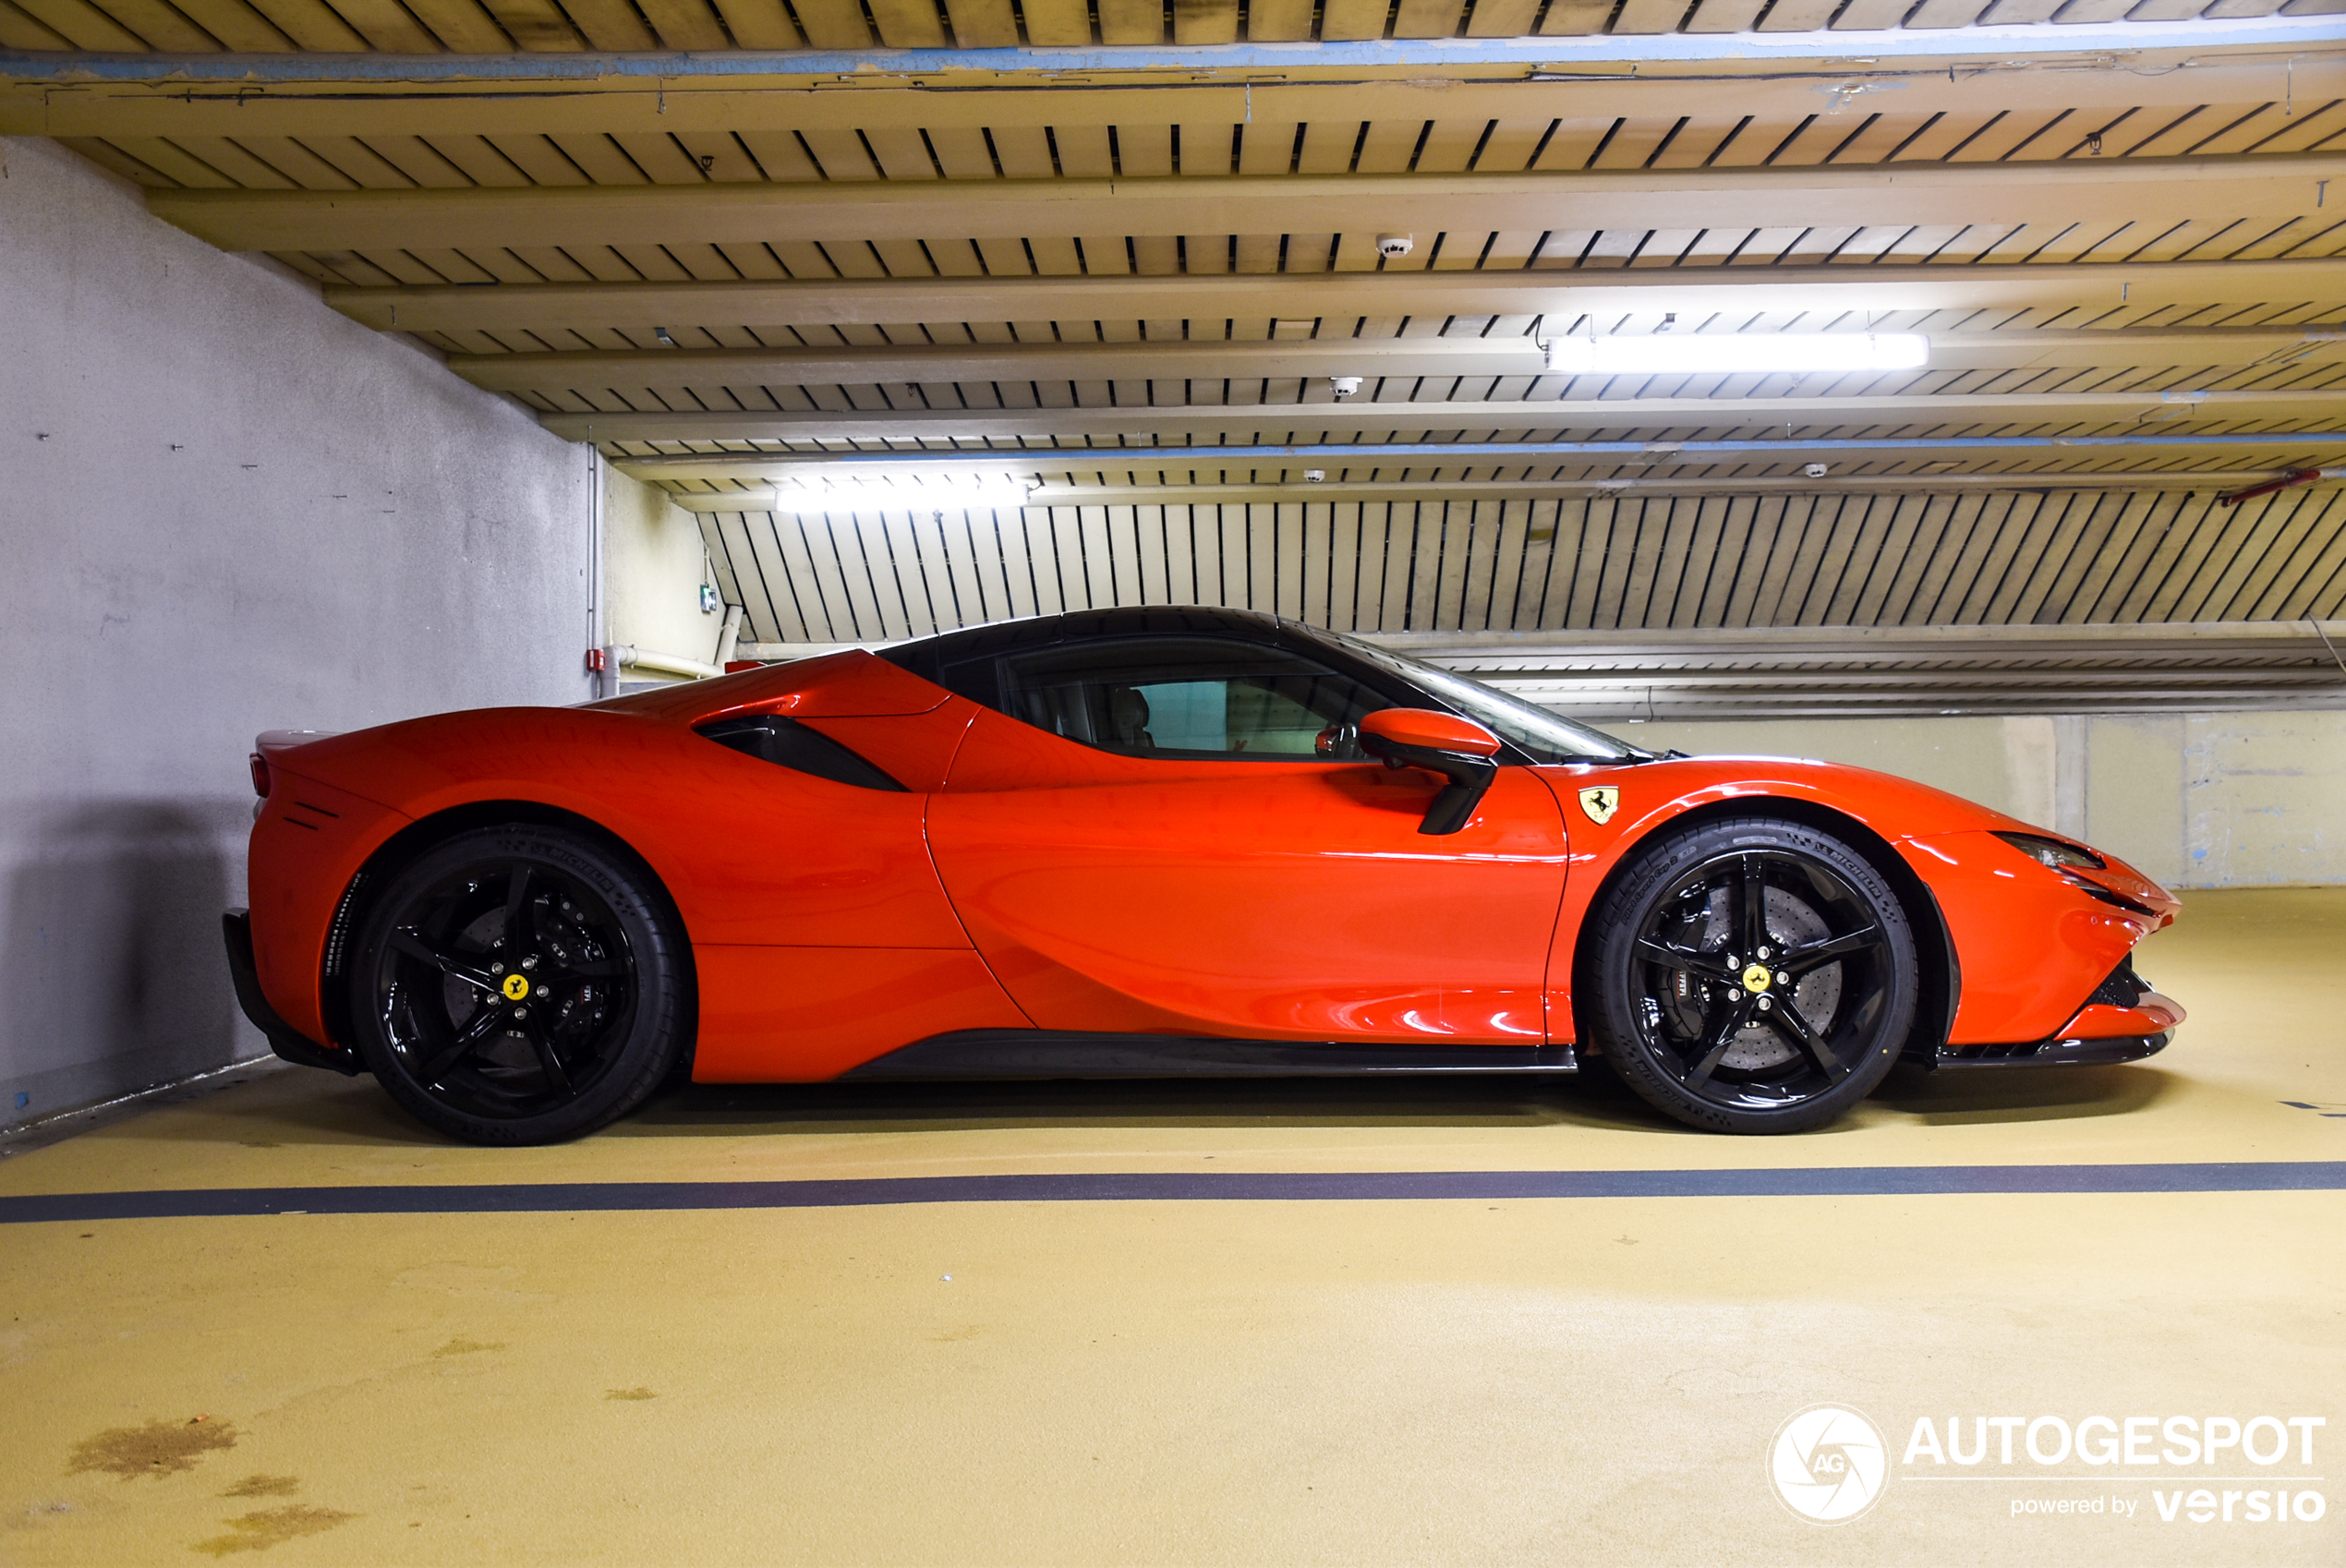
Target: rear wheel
x=519, y=985
x=1751, y=975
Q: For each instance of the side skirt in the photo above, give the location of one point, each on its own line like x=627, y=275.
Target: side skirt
x=1028, y=1052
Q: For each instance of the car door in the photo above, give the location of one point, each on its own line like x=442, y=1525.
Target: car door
x=1144, y=835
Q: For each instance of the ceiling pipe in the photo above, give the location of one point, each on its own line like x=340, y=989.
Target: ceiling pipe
x=2290, y=480
x=628, y=658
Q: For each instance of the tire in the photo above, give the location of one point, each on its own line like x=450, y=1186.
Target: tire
x=1733, y=1026
x=520, y=984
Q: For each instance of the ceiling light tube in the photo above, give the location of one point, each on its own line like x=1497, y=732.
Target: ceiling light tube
x=975, y=492
x=1739, y=353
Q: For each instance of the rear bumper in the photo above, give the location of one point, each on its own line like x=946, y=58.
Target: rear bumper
x=236, y=925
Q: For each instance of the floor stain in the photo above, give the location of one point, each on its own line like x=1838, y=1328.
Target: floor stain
x=631, y=1393
x=265, y=1486
x=272, y=1527
x=460, y=1345
x=158, y=1448
x=966, y=1330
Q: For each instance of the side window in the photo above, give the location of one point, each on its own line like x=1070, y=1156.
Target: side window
x=1187, y=697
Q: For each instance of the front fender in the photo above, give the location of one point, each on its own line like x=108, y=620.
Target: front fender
x=1651, y=797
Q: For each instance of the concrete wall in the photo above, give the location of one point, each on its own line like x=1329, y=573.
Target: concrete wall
x=655, y=565
x=2205, y=800
x=224, y=509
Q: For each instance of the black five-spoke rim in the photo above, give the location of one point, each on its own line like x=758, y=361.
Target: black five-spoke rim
x=506, y=989
x=1760, y=979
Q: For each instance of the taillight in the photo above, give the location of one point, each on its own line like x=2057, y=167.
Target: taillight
x=259, y=774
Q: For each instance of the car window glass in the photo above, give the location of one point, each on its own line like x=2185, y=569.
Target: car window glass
x=1187, y=697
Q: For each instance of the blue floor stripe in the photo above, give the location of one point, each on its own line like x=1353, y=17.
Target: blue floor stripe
x=631, y=1196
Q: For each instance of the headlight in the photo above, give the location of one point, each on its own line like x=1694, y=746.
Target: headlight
x=2054, y=853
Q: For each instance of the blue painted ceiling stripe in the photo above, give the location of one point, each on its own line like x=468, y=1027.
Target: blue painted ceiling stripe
x=1985, y=47
x=544, y=1198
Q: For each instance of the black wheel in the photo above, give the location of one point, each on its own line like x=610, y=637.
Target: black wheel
x=1750, y=975
x=519, y=985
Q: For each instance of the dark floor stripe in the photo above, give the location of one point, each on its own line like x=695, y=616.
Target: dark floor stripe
x=623, y=1197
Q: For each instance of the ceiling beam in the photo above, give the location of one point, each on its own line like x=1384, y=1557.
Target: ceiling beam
x=1360, y=415
x=1151, y=464
x=1829, y=291
x=1297, y=490
x=2267, y=189
x=1602, y=51
x=244, y=99
x=1280, y=358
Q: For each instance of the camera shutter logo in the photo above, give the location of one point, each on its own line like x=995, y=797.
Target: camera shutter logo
x=1829, y=1464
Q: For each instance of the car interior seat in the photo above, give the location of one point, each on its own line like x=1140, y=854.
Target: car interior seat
x=1127, y=719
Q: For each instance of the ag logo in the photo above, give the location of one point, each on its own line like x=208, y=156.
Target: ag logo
x=1829, y=1464
x=1600, y=803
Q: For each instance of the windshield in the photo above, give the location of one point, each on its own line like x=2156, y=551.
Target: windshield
x=1545, y=735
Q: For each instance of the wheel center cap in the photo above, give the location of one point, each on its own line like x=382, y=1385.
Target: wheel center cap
x=515, y=987
x=1755, y=977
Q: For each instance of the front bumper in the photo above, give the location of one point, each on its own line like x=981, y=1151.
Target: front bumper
x=236, y=925
x=2123, y=1021
x=2056, y=1052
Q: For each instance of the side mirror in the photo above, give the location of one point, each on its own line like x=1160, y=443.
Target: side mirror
x=1458, y=748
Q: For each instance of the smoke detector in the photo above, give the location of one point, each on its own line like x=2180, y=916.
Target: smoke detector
x=1315, y=475
x=1344, y=386
x=1816, y=470
x=1391, y=246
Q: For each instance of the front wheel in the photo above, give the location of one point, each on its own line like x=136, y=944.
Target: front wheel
x=519, y=985
x=1750, y=975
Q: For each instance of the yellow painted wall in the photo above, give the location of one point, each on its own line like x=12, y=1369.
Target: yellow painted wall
x=2212, y=799
x=654, y=564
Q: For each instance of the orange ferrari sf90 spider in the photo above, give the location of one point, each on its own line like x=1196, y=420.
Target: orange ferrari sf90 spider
x=1140, y=843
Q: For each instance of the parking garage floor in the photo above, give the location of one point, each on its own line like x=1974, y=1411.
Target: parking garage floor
x=1287, y=1332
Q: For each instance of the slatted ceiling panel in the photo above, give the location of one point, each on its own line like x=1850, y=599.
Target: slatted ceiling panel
x=2307, y=132
x=161, y=27
x=236, y=26
x=1797, y=15
x=983, y=24
x=1573, y=18
x=1131, y=21
x=909, y=24
x=1205, y=21
x=833, y=24
x=1343, y=20
x=1576, y=564
x=1427, y=18
x=22, y=30
x=464, y=26
x=963, y=155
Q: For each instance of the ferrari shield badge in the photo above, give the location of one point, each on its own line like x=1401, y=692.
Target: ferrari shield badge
x=1601, y=801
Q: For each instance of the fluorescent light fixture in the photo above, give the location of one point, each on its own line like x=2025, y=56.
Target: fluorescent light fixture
x=970, y=493
x=1734, y=352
